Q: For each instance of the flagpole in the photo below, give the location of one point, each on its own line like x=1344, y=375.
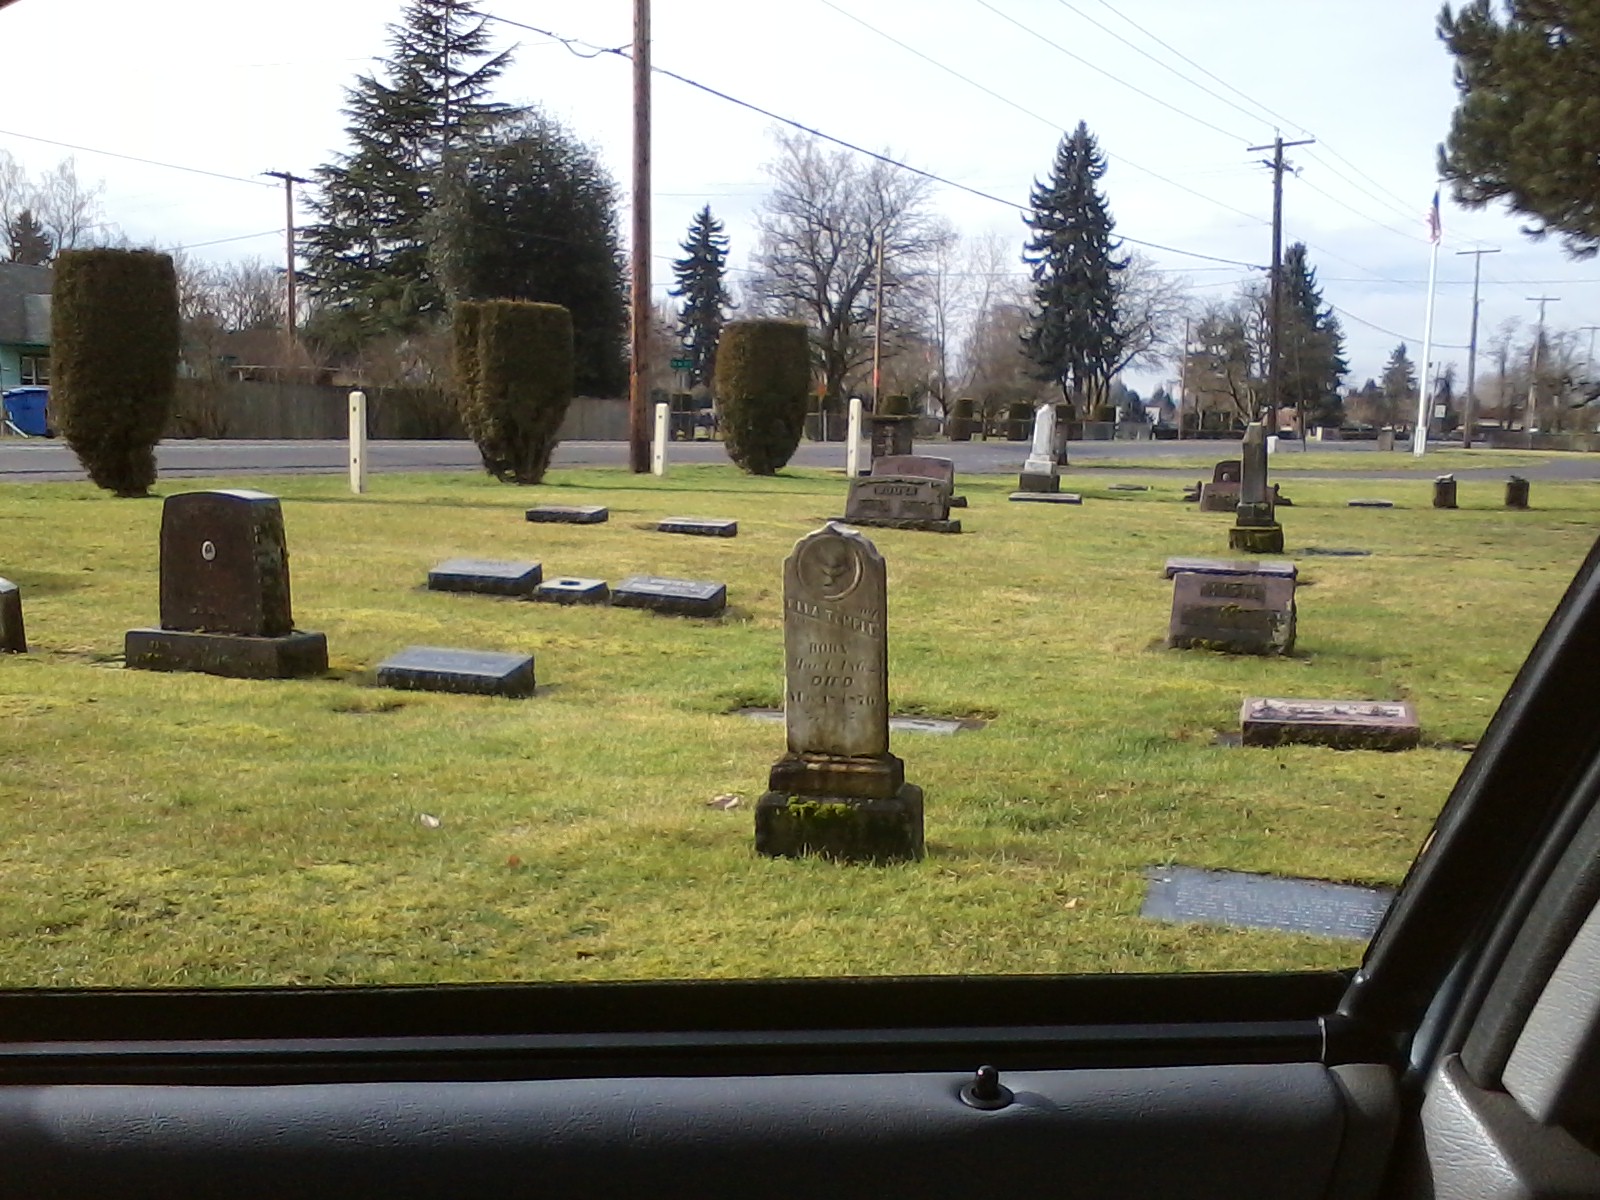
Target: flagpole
x=1419, y=435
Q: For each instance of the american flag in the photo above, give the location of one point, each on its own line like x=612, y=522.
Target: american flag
x=1434, y=228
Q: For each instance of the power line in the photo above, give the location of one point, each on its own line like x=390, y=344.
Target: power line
x=149, y=162
x=243, y=237
x=1372, y=325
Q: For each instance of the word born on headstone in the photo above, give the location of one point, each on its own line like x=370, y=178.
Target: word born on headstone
x=1243, y=614
x=678, y=597
x=1342, y=724
x=13, y=639
x=900, y=502
x=489, y=576
x=572, y=590
x=568, y=514
x=225, y=593
x=474, y=672
x=837, y=792
x=699, y=526
x=1222, y=566
x=941, y=470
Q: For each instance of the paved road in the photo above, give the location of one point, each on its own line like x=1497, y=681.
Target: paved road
x=50, y=461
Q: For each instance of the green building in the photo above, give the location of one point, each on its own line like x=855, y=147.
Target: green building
x=24, y=325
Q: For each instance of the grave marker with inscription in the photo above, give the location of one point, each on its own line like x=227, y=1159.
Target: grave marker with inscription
x=1242, y=614
x=474, y=672
x=900, y=502
x=678, y=597
x=941, y=470
x=837, y=792
x=487, y=576
x=1222, y=493
x=225, y=593
x=1342, y=724
x=699, y=526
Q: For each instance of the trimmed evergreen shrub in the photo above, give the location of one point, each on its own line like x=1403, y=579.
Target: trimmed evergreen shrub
x=961, y=420
x=1019, y=421
x=114, y=361
x=513, y=368
x=763, y=378
x=895, y=406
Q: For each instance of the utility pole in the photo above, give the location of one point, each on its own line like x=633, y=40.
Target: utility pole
x=1183, y=381
x=877, y=329
x=1532, y=413
x=639, y=345
x=1469, y=414
x=1274, y=377
x=289, y=322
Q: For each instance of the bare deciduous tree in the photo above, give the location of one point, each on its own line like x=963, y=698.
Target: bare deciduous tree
x=71, y=211
x=1151, y=307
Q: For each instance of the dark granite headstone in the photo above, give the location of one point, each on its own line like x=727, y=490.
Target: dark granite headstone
x=838, y=791
x=490, y=576
x=1342, y=724
x=1517, y=492
x=1240, y=614
x=679, y=597
x=13, y=639
x=1264, y=902
x=699, y=527
x=476, y=672
x=1444, y=491
x=568, y=514
x=1220, y=566
x=571, y=590
x=1047, y=497
x=900, y=502
x=225, y=593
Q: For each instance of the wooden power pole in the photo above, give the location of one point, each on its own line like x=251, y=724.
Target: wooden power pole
x=290, y=324
x=1469, y=414
x=639, y=345
x=1274, y=375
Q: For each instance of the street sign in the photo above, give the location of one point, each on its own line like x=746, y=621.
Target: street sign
x=683, y=364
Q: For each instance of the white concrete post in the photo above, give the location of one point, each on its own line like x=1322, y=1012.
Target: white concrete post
x=358, y=442
x=852, y=440
x=658, y=448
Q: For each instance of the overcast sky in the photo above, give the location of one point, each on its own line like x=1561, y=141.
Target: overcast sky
x=239, y=88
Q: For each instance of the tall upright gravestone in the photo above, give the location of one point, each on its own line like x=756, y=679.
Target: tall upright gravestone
x=837, y=792
x=1256, y=529
x=225, y=593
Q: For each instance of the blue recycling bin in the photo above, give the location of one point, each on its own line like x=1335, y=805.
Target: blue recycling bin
x=25, y=408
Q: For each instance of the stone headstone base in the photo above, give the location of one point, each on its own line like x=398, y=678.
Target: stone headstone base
x=864, y=831
x=1256, y=539
x=926, y=525
x=230, y=654
x=958, y=501
x=12, y=638
x=836, y=776
x=1038, y=481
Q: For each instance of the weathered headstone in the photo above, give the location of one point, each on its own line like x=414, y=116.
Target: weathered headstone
x=1342, y=724
x=900, y=502
x=1517, y=492
x=891, y=434
x=225, y=593
x=1222, y=566
x=1386, y=439
x=568, y=514
x=941, y=470
x=13, y=638
x=838, y=791
x=1256, y=529
x=572, y=590
x=475, y=672
x=1039, y=472
x=677, y=597
x=699, y=527
x=1444, y=491
x=1047, y=497
x=489, y=576
x=1221, y=494
x=1242, y=614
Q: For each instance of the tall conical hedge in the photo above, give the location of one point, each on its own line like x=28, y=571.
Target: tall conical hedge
x=114, y=361
x=763, y=377
x=513, y=374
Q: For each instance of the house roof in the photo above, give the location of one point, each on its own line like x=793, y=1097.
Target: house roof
x=24, y=316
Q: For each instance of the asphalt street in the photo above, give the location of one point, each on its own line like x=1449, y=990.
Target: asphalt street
x=40, y=460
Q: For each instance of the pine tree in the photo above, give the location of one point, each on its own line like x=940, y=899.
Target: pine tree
x=1527, y=126
x=1310, y=345
x=30, y=244
x=1072, y=336
x=367, y=257
x=700, y=275
x=1399, y=385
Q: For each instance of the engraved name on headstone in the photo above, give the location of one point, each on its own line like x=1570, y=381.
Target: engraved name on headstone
x=901, y=502
x=1342, y=724
x=925, y=466
x=1248, y=614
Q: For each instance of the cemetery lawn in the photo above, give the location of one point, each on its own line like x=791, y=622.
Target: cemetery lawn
x=163, y=830
x=1364, y=457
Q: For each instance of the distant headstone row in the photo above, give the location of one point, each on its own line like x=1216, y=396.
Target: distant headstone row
x=525, y=580
x=1444, y=492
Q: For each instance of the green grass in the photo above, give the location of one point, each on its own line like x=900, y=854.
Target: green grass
x=182, y=830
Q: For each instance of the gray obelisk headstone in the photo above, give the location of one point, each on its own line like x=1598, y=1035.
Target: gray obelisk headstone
x=1039, y=472
x=837, y=791
x=1256, y=529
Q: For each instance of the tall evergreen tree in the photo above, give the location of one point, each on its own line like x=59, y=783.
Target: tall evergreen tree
x=701, y=276
x=29, y=242
x=367, y=255
x=1310, y=345
x=1399, y=385
x=1072, y=338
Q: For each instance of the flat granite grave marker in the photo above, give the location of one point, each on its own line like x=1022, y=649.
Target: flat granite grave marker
x=1342, y=724
x=699, y=526
x=1241, y=614
x=474, y=672
x=678, y=597
x=488, y=576
x=1369, y=504
x=900, y=502
x=1047, y=497
x=225, y=593
x=13, y=639
x=572, y=590
x=837, y=792
x=1334, y=910
x=1222, y=566
x=568, y=514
